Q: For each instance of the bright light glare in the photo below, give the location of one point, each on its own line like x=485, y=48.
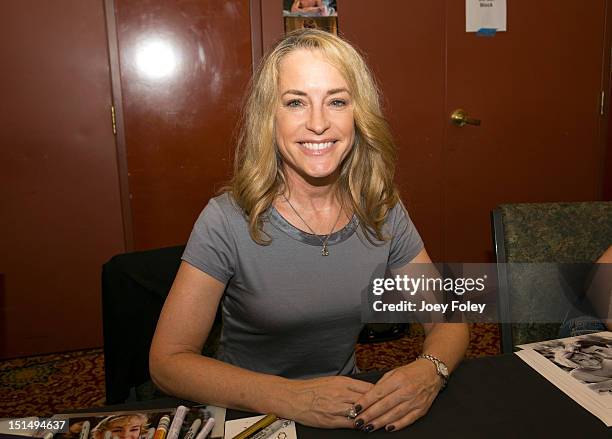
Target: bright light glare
x=156, y=59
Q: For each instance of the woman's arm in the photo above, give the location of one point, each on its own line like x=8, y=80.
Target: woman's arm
x=600, y=290
x=405, y=394
x=606, y=258
x=178, y=368
x=297, y=7
x=446, y=341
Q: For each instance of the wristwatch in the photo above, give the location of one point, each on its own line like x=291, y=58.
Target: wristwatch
x=441, y=368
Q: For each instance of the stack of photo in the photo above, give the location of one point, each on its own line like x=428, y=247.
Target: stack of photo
x=579, y=366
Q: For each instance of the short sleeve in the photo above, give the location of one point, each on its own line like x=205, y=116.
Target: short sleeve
x=406, y=242
x=211, y=247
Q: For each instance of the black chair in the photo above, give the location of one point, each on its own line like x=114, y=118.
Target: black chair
x=380, y=332
x=134, y=288
x=569, y=236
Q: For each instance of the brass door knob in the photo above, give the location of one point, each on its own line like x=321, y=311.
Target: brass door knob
x=460, y=118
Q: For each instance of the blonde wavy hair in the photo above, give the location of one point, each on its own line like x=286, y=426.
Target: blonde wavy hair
x=366, y=175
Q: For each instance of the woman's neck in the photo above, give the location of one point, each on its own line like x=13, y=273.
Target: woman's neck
x=313, y=205
x=318, y=195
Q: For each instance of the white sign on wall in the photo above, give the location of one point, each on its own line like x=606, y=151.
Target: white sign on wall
x=485, y=14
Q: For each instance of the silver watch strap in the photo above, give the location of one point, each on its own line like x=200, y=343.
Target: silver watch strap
x=441, y=367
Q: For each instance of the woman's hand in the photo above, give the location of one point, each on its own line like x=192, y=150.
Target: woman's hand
x=400, y=397
x=325, y=402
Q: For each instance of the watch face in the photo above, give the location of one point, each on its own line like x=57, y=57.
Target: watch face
x=443, y=369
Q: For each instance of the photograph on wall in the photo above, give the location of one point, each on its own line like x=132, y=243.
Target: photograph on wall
x=310, y=8
x=311, y=14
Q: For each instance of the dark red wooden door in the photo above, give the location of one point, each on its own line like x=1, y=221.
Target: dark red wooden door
x=60, y=214
x=537, y=90
x=183, y=69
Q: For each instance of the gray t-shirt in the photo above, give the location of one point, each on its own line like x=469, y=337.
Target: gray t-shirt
x=287, y=310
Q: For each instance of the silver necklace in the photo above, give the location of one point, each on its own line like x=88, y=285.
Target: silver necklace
x=324, y=250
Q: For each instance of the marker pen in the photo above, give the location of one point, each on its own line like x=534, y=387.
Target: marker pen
x=84, y=430
x=162, y=428
x=206, y=429
x=270, y=430
x=193, y=430
x=177, y=422
x=49, y=433
x=259, y=425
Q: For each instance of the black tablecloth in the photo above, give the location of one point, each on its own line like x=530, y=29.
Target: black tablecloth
x=489, y=397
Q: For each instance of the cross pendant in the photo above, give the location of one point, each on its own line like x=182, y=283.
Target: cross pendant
x=324, y=251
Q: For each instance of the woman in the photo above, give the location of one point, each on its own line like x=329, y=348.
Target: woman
x=598, y=302
x=311, y=217
x=308, y=7
x=129, y=426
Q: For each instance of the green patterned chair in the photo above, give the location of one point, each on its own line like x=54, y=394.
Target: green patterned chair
x=552, y=234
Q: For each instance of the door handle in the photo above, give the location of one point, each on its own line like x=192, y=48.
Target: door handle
x=460, y=118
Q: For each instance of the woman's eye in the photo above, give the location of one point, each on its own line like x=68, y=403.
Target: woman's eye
x=338, y=103
x=294, y=103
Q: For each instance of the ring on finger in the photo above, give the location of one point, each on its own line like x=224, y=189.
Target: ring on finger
x=352, y=413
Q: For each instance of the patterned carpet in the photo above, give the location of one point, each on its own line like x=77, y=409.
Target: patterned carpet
x=484, y=340
x=47, y=384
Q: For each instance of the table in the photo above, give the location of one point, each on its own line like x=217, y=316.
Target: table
x=488, y=397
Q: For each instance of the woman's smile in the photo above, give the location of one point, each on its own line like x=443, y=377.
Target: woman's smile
x=317, y=148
